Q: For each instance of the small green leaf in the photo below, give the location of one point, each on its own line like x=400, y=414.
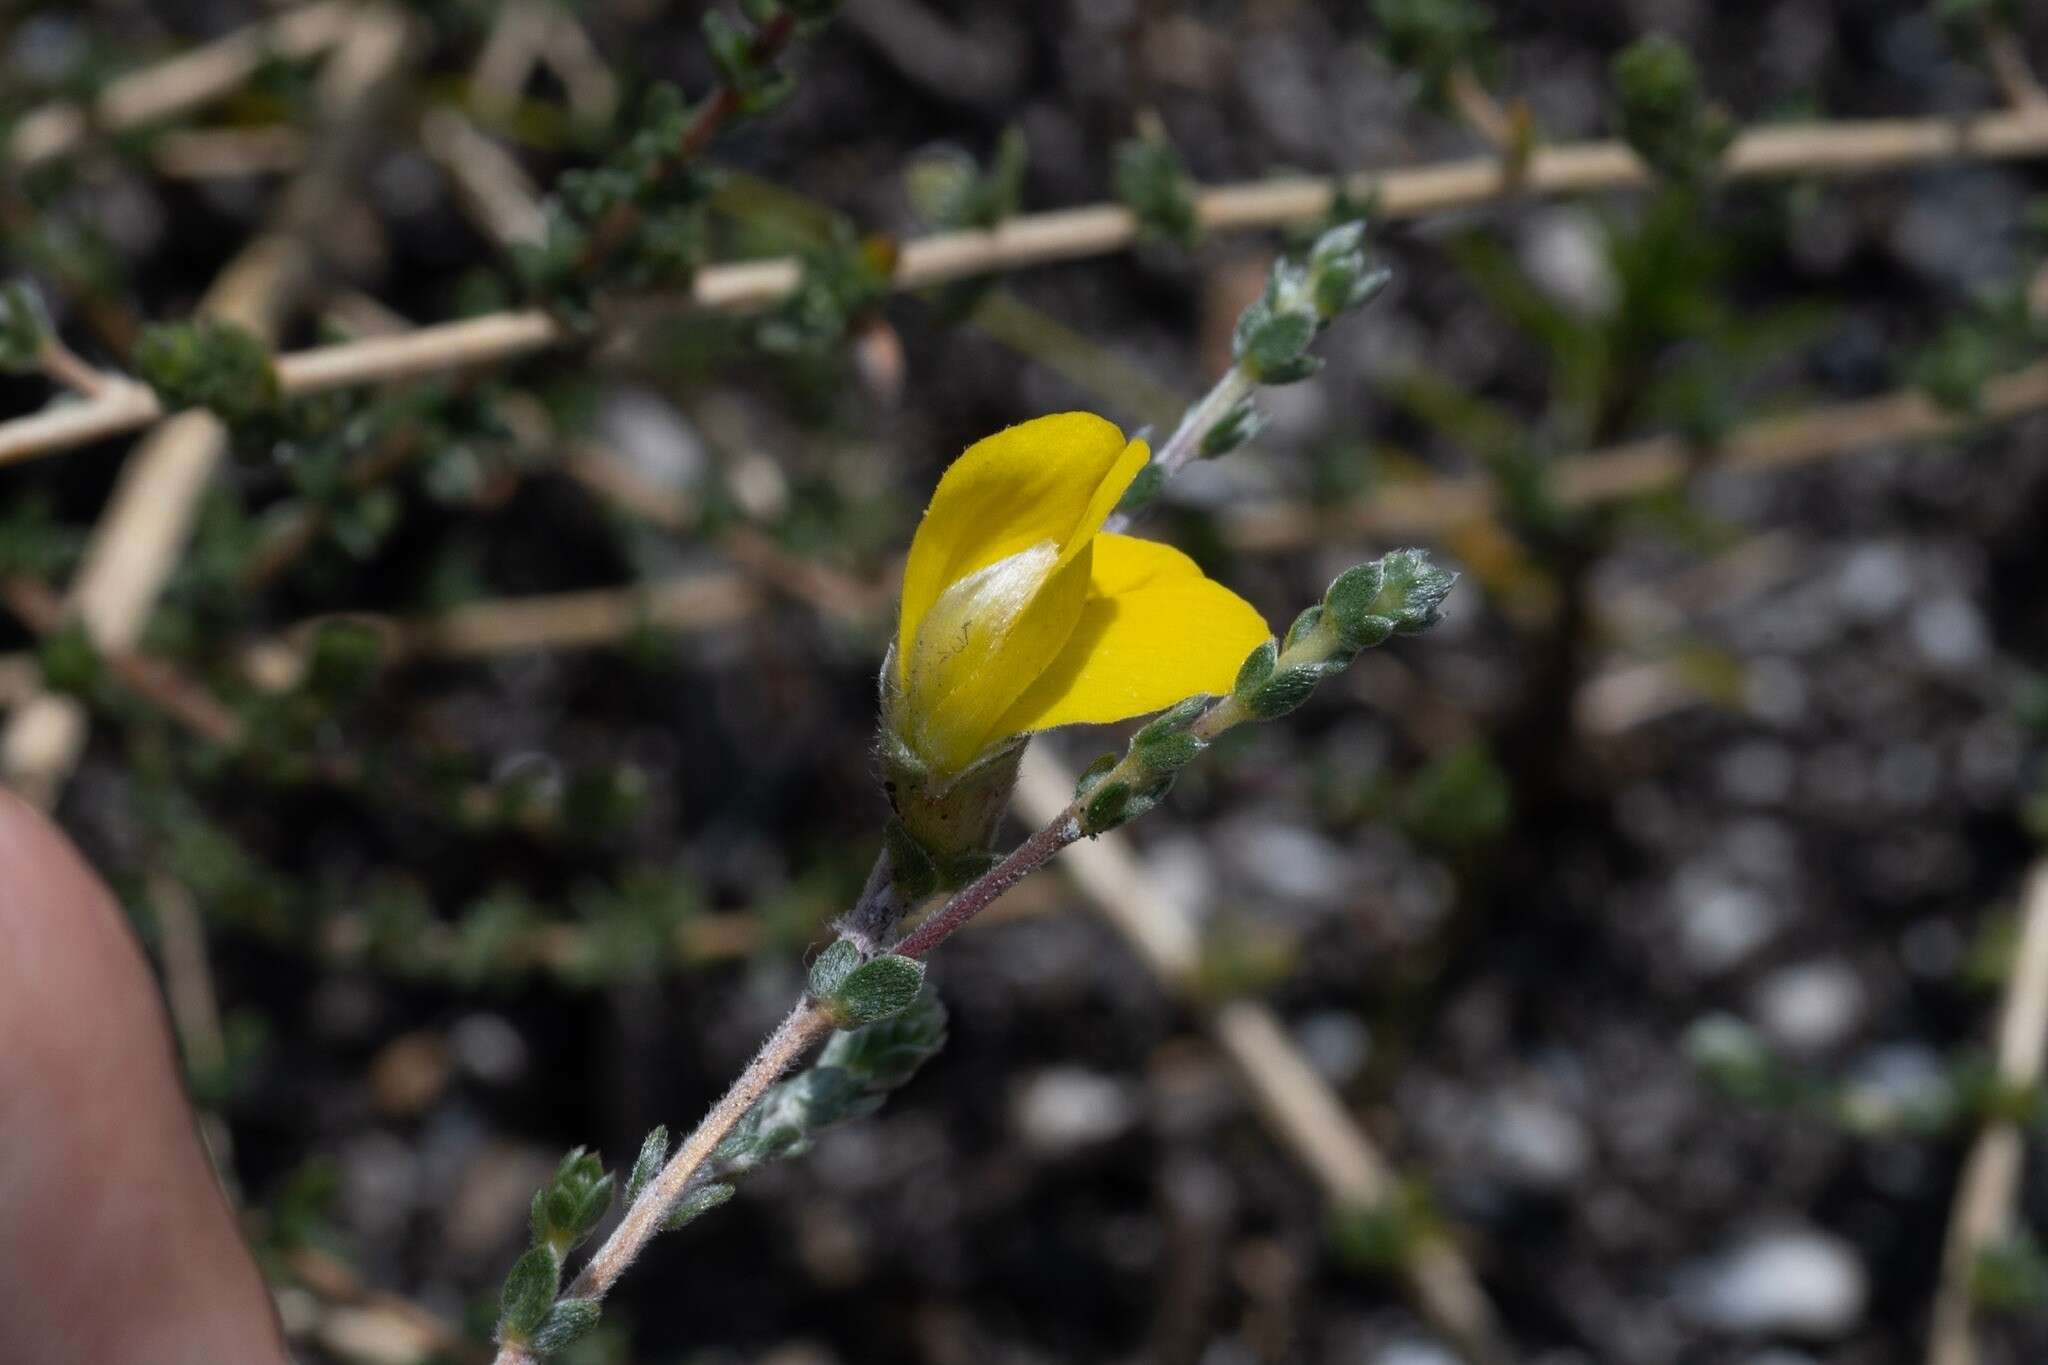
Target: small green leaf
x=528, y=1294
x=653, y=1156
x=1107, y=807
x=878, y=989
x=208, y=363
x=911, y=866
x=1168, y=752
x=1283, y=692
x=885, y=1054
x=1310, y=618
x=1176, y=717
x=567, y=1321
x=1144, y=490
x=1232, y=429
x=1092, y=775
x=1271, y=343
x=833, y=967
x=1412, y=591
x=962, y=868
x=1663, y=113
x=696, y=1204
x=1257, y=667
x=1350, y=605
x=23, y=328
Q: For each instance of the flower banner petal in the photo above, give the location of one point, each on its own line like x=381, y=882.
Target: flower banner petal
x=1037, y=481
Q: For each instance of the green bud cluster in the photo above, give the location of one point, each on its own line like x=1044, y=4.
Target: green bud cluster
x=565, y=1212
x=2011, y=1275
x=1400, y=593
x=1274, y=332
x=1664, y=115
x=949, y=190
x=1385, y=1236
x=641, y=218
x=853, y=992
x=1116, y=789
x=1997, y=334
x=1434, y=38
x=1153, y=183
x=208, y=363
x=23, y=328
x=842, y=284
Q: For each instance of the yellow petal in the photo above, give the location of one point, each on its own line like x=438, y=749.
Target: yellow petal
x=1051, y=479
x=981, y=643
x=1152, y=631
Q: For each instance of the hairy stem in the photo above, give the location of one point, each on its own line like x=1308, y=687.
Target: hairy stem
x=805, y=1025
x=978, y=895
x=1186, y=441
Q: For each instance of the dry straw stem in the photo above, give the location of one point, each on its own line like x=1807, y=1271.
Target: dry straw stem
x=1636, y=467
x=1983, y=1211
x=144, y=528
x=1308, y=1118
x=171, y=87
x=1837, y=149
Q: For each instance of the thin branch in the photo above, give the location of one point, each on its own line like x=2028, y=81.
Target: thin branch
x=1991, y=1173
x=1840, y=149
x=188, y=979
x=1186, y=441
x=138, y=539
x=1310, y=1121
x=804, y=1026
x=171, y=87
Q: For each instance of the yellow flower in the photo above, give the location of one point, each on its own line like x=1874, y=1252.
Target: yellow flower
x=1020, y=613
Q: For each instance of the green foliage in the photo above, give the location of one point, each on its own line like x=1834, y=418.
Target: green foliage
x=1240, y=424
x=653, y=1156
x=1434, y=38
x=1383, y=1237
x=566, y=1210
x=843, y=283
x=696, y=1203
x=1998, y=333
x=1459, y=801
x=639, y=219
x=950, y=191
x=2011, y=1275
x=528, y=1294
x=1965, y=18
x=1664, y=115
x=23, y=328
x=876, y=990
x=1273, y=333
x=208, y=363
x=1153, y=183
x=566, y=1323
x=33, y=543
x=832, y=968
x=852, y=1077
